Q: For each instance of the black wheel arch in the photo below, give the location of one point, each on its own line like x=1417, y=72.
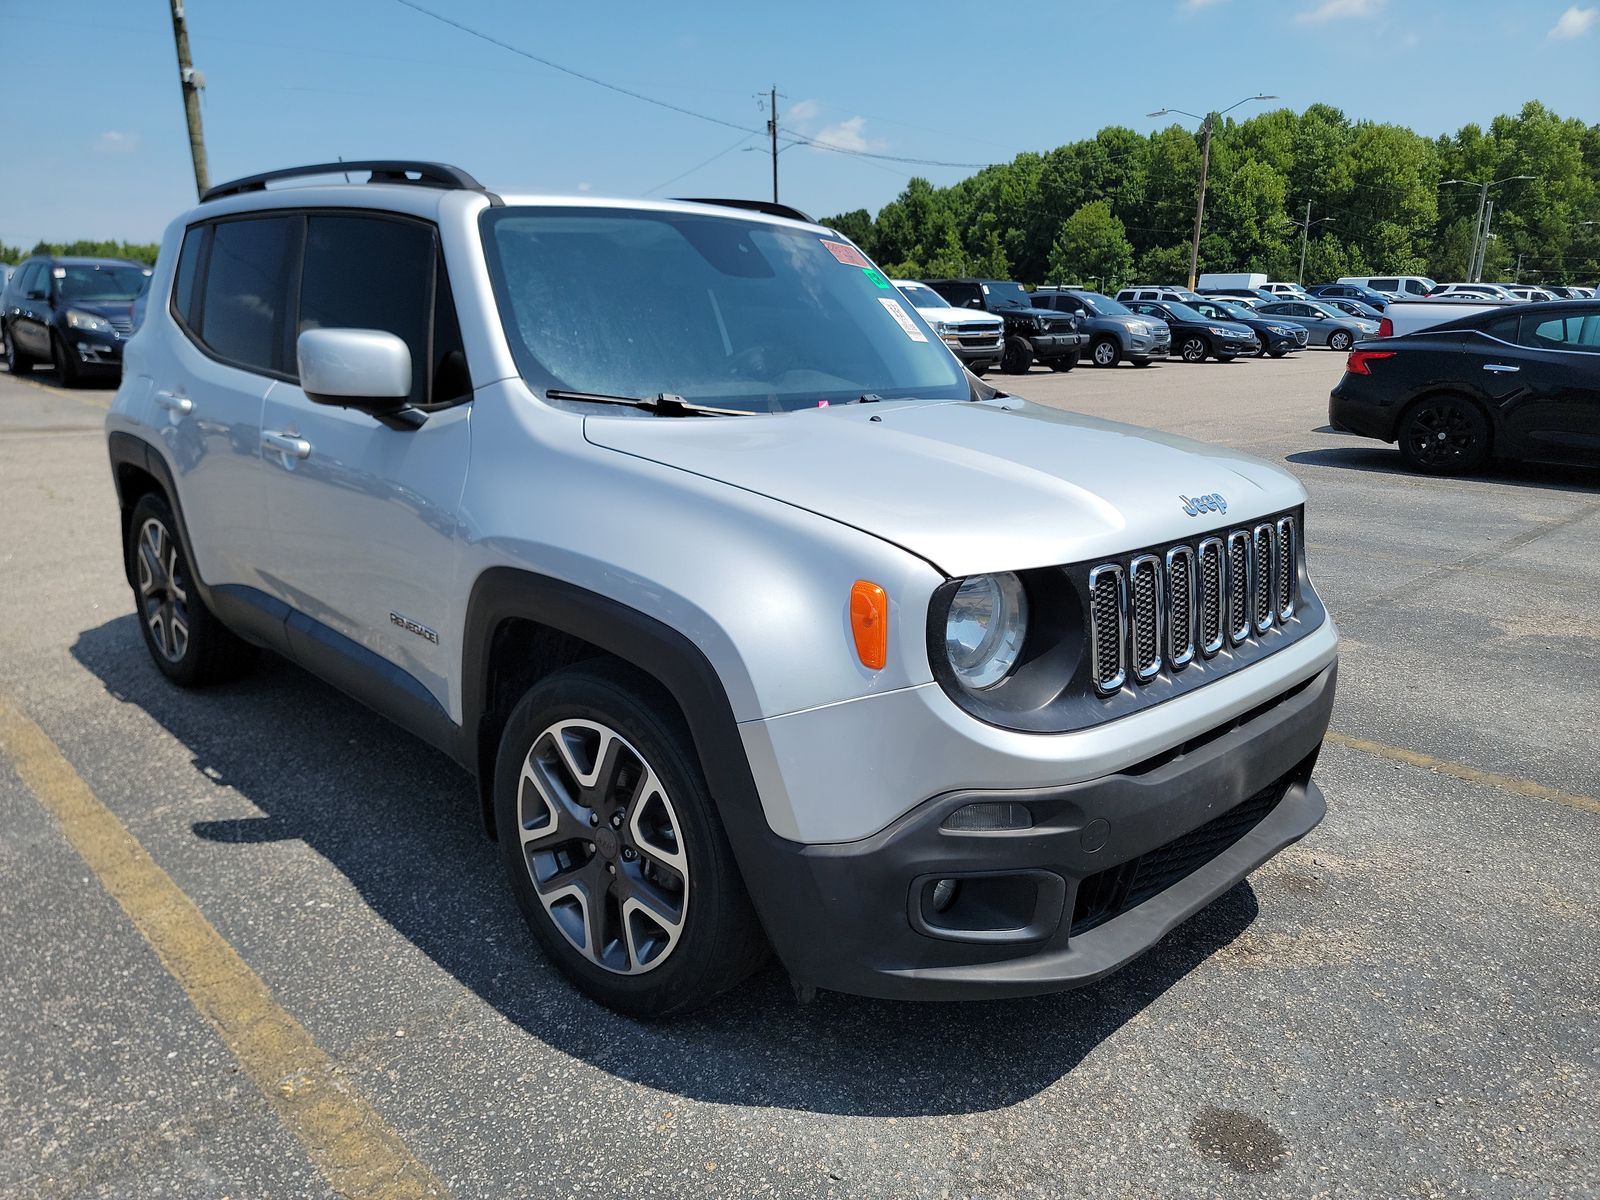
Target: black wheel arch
x=1491, y=413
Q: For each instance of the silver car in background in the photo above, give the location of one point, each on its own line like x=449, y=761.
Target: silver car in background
x=1326, y=325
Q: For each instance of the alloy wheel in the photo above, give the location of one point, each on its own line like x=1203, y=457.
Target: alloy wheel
x=1194, y=350
x=1105, y=353
x=1339, y=341
x=603, y=846
x=163, y=590
x=1442, y=435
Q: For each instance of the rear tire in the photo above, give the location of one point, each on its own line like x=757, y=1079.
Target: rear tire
x=188, y=644
x=1105, y=352
x=613, y=846
x=17, y=361
x=1444, y=435
x=1017, y=357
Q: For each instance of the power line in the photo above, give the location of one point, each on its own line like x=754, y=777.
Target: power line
x=677, y=108
x=697, y=166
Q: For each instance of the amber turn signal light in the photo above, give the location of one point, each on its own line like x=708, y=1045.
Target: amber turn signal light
x=869, y=622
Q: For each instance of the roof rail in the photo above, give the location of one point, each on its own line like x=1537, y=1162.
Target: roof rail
x=771, y=207
x=382, y=170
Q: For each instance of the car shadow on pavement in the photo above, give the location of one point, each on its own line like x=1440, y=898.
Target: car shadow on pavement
x=1386, y=460
x=401, y=822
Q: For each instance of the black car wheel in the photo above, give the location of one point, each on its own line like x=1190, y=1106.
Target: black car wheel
x=1194, y=349
x=1340, y=340
x=1064, y=364
x=1279, y=352
x=1261, y=346
x=1444, y=435
x=17, y=362
x=613, y=845
x=1018, y=356
x=66, y=363
x=980, y=368
x=1105, y=352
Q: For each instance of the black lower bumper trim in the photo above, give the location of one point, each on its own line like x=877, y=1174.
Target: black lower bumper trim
x=1107, y=868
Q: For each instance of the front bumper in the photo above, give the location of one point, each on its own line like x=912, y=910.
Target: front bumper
x=95, y=349
x=975, y=349
x=1109, y=866
x=1236, y=346
x=1057, y=345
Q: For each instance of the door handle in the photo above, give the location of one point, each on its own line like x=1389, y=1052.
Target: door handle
x=294, y=447
x=1501, y=368
x=173, y=402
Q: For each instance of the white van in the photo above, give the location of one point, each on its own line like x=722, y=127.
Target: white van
x=1401, y=287
x=1235, y=281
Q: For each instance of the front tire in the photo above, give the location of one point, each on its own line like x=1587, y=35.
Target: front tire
x=188, y=644
x=1444, y=435
x=68, y=369
x=1279, y=352
x=613, y=846
x=1194, y=349
x=1064, y=364
x=1017, y=357
x=1340, y=340
x=1105, y=353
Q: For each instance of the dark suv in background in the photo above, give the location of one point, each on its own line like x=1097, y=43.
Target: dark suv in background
x=1031, y=334
x=75, y=313
x=1114, y=332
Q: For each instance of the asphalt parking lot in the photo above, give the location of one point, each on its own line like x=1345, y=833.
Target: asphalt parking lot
x=1405, y=1004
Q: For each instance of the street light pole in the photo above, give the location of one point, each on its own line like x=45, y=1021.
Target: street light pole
x=1205, y=170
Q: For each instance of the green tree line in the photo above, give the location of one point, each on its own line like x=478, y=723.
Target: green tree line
x=144, y=252
x=1119, y=207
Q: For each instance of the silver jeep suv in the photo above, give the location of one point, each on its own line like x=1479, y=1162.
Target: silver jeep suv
x=763, y=626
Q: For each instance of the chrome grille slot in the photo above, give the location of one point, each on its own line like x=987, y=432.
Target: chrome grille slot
x=1288, y=568
x=1240, y=581
x=1108, y=633
x=1266, y=568
x=1144, y=598
x=1213, y=596
x=1180, y=606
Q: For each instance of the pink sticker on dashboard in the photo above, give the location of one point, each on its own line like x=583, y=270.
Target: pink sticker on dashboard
x=846, y=253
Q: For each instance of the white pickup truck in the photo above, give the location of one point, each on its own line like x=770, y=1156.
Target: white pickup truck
x=1408, y=316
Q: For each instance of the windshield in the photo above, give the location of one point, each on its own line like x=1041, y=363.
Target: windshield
x=1007, y=295
x=1324, y=310
x=1184, y=313
x=96, y=283
x=1237, y=312
x=922, y=296
x=1103, y=306
x=719, y=310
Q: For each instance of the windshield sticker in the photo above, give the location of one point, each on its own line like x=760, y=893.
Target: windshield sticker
x=900, y=319
x=877, y=280
x=846, y=254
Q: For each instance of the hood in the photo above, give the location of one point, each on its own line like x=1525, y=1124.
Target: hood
x=969, y=486
x=952, y=316
x=101, y=308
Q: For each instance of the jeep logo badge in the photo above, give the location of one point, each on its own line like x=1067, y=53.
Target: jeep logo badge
x=1199, y=504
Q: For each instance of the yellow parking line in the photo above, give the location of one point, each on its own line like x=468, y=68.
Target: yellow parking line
x=343, y=1134
x=1508, y=783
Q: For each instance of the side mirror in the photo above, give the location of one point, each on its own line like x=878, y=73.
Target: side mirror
x=366, y=369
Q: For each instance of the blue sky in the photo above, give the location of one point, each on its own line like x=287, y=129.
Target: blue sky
x=104, y=153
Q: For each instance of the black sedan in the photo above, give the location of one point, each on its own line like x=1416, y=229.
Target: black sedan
x=1195, y=337
x=1274, y=335
x=1519, y=382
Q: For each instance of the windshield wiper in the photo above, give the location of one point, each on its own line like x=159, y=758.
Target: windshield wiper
x=663, y=404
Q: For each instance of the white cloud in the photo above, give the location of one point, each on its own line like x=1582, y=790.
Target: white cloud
x=848, y=135
x=585, y=187
x=1575, y=22
x=1339, y=10
x=114, y=141
x=804, y=110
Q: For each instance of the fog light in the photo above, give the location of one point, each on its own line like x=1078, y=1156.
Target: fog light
x=944, y=895
x=988, y=817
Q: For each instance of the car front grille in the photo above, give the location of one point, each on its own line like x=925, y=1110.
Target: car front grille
x=1116, y=890
x=1157, y=614
x=1302, y=334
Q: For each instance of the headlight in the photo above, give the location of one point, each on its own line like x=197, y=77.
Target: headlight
x=88, y=322
x=941, y=328
x=1221, y=332
x=984, y=631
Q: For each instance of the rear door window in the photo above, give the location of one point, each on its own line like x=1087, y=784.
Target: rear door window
x=244, y=302
x=1574, y=331
x=1384, y=285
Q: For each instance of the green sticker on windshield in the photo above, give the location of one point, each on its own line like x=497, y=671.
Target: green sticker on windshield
x=877, y=279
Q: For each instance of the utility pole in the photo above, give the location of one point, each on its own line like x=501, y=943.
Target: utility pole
x=1516, y=276
x=772, y=128
x=1305, y=238
x=1483, y=243
x=192, y=81
x=1200, y=207
x=1477, y=232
